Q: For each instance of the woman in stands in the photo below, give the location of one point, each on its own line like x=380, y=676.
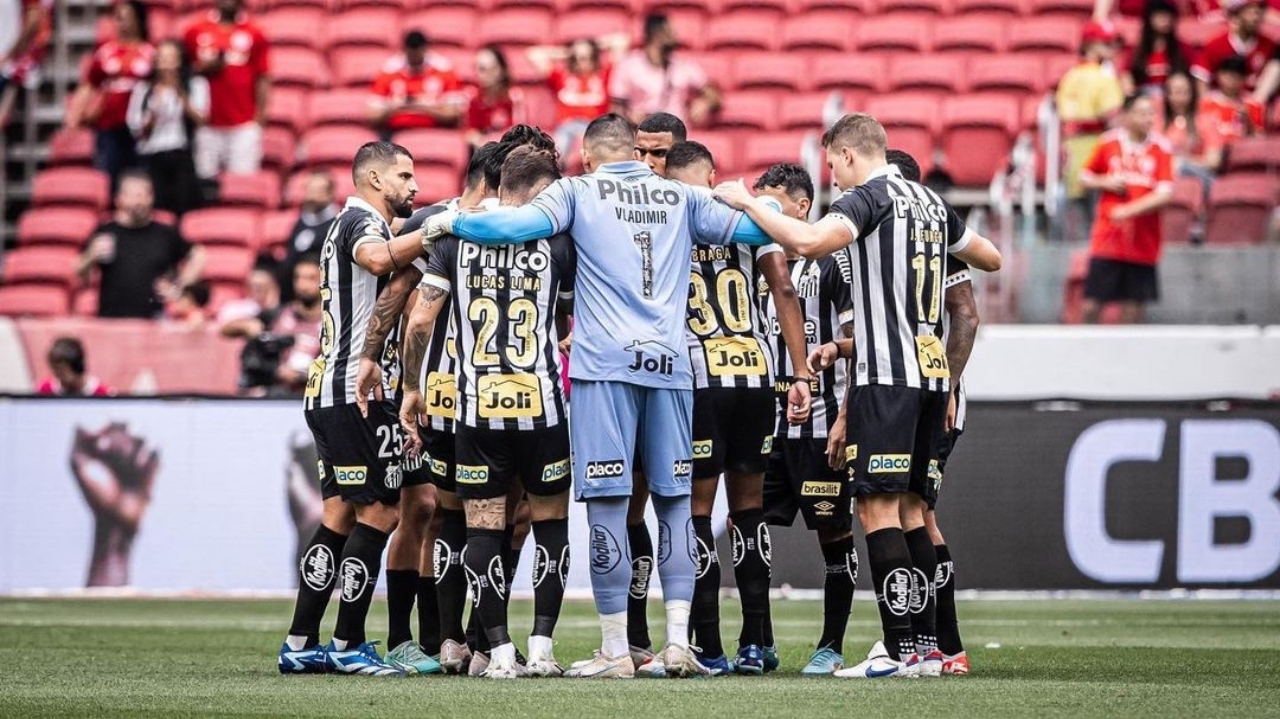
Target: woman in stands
x=1196, y=145
x=493, y=106
x=163, y=115
x=1159, y=53
x=579, y=76
x=102, y=99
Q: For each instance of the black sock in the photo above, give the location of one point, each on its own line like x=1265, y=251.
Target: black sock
x=948, y=626
x=316, y=573
x=769, y=641
x=924, y=607
x=451, y=578
x=550, y=568
x=841, y=559
x=642, y=564
x=704, y=614
x=892, y=574
x=428, y=616
x=488, y=582
x=751, y=570
x=357, y=579
x=402, y=589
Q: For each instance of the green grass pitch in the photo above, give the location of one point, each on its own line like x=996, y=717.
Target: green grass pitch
x=187, y=658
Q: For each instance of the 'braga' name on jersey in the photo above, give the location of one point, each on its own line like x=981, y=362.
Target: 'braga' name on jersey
x=904, y=206
x=526, y=258
x=640, y=196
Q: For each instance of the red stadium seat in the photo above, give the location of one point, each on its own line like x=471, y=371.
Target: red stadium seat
x=691, y=28
x=276, y=227
x=1079, y=8
x=56, y=226
x=515, y=27
x=860, y=7
x=296, y=26
x=298, y=67
x=725, y=152
x=437, y=183
x=48, y=264
x=1196, y=32
x=84, y=302
x=1254, y=154
x=71, y=147
x=286, y=108
x=335, y=144
x=763, y=151
x=891, y=32
x=937, y=7
x=258, y=189
x=279, y=149
x=628, y=6
x=224, y=263
x=777, y=7
x=34, y=301
x=667, y=7
x=349, y=106
x=1054, y=34
x=365, y=26
x=71, y=186
x=743, y=29
x=820, y=31
x=835, y=71
x=802, y=111
x=1056, y=65
x=911, y=122
x=502, y=5
x=977, y=134
x=981, y=32
x=1005, y=7
x=445, y=148
x=451, y=25
x=750, y=110
x=1007, y=73
x=1240, y=208
x=592, y=24
x=718, y=66
x=931, y=73
x=222, y=226
x=1179, y=216
x=767, y=70
x=540, y=106
x=357, y=66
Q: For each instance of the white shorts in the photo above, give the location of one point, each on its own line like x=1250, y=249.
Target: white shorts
x=231, y=149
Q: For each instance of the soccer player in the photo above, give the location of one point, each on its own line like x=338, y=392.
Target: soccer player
x=655, y=136
x=634, y=233
x=806, y=468
x=733, y=416
x=897, y=233
x=512, y=415
x=360, y=470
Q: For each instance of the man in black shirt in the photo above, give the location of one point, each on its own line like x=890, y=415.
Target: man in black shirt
x=319, y=208
x=139, y=260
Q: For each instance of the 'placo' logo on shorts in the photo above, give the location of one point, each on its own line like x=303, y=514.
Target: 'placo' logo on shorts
x=702, y=449
x=471, y=474
x=888, y=463
x=556, y=470
x=682, y=468
x=820, y=489
x=606, y=470
x=350, y=475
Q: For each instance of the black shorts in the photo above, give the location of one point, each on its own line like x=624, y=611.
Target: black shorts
x=438, y=451
x=359, y=458
x=799, y=479
x=490, y=460
x=1119, y=281
x=938, y=467
x=732, y=430
x=893, y=435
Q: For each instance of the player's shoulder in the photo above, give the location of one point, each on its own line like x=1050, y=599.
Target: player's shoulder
x=421, y=215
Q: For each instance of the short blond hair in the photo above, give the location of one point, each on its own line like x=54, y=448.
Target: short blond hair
x=858, y=131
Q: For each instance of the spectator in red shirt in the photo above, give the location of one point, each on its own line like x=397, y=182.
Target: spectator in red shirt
x=493, y=106
x=1234, y=114
x=1159, y=52
x=580, y=84
x=416, y=89
x=1191, y=132
x=69, y=376
x=1242, y=37
x=20, y=61
x=231, y=52
x=1132, y=170
x=102, y=99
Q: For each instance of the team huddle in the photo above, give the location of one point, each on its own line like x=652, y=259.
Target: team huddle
x=710, y=332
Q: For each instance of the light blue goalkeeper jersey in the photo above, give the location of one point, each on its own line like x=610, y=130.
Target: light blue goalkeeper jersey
x=634, y=232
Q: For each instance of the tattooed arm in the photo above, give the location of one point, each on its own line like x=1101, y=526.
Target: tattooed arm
x=386, y=315
x=963, y=313
x=417, y=336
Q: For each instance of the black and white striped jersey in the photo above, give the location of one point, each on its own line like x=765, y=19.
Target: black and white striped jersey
x=440, y=365
x=348, y=293
x=726, y=327
x=902, y=234
x=826, y=304
x=504, y=308
x=957, y=273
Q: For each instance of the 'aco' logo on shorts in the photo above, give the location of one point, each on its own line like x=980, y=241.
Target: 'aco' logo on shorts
x=350, y=475
x=702, y=449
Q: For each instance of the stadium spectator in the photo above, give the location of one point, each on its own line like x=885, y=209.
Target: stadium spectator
x=262, y=294
x=69, y=376
x=1159, y=52
x=102, y=98
x=319, y=208
x=1132, y=170
x=652, y=80
x=1243, y=36
x=135, y=255
x=231, y=51
x=580, y=84
x=1191, y=132
x=164, y=113
x=415, y=89
x=1087, y=96
x=1234, y=114
x=22, y=50
x=493, y=106
x=1268, y=79
x=190, y=305
x=282, y=340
